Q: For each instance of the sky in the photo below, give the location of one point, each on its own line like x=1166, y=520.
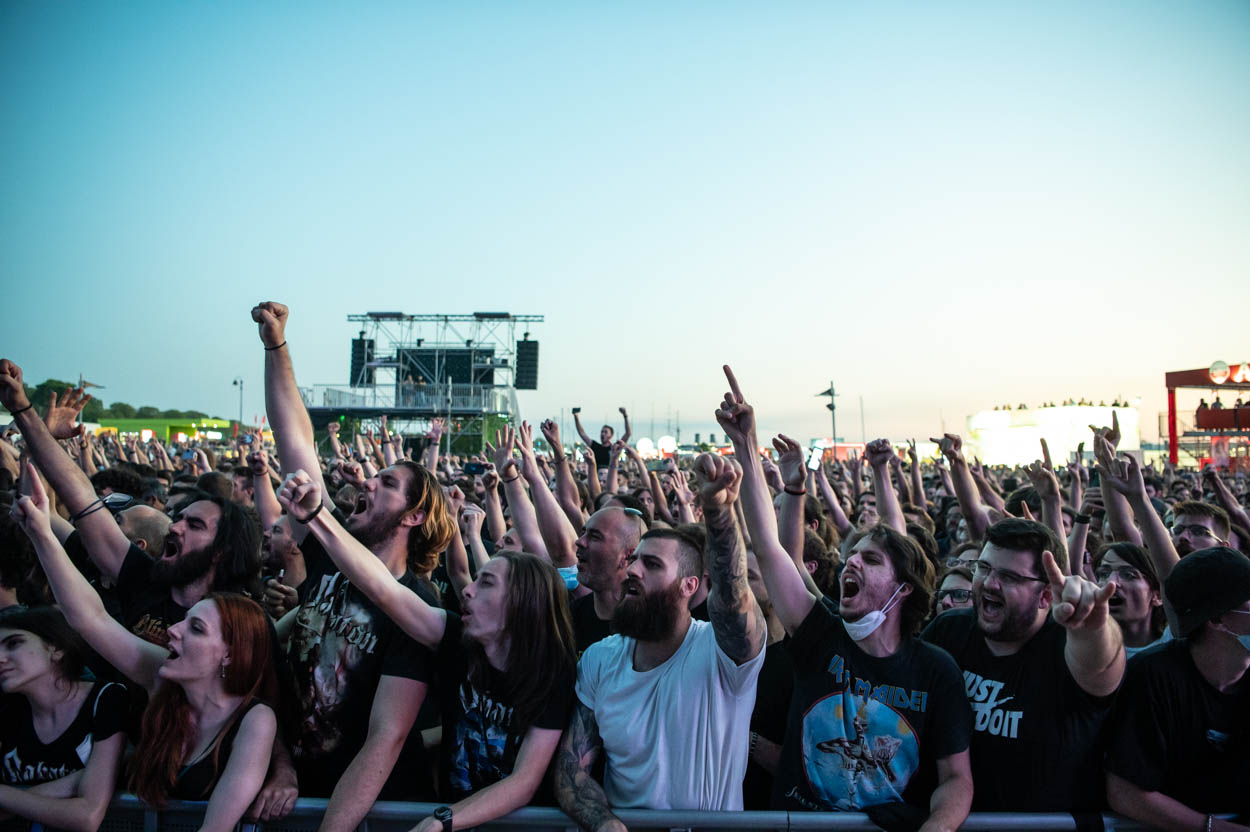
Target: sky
x=939, y=206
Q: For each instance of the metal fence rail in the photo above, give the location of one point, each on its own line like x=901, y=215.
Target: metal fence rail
x=129, y=814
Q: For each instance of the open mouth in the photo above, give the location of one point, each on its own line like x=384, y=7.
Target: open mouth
x=1115, y=601
x=360, y=505
x=633, y=589
x=850, y=586
x=991, y=606
x=172, y=548
x=173, y=654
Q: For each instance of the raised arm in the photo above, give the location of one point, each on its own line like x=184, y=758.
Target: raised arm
x=456, y=557
x=684, y=496
x=262, y=487
x=292, y=429
x=970, y=504
x=556, y=530
x=786, y=588
x=104, y=540
x=566, y=486
x=731, y=607
x=1042, y=476
x=1095, y=645
x=524, y=519
x=84, y=611
x=1226, y=498
x=496, y=526
x=301, y=496
x=629, y=431
x=917, y=477
x=332, y=433
x=614, y=461
x=1124, y=478
x=836, y=514
x=791, y=521
x=1119, y=512
x=580, y=796
x=592, y=475
x=388, y=449
x=880, y=455
x=471, y=518
x=660, y=501
x=577, y=423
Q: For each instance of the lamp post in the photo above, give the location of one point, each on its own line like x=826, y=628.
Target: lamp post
x=833, y=414
x=238, y=382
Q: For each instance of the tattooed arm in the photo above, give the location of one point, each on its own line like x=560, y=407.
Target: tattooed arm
x=579, y=795
x=735, y=615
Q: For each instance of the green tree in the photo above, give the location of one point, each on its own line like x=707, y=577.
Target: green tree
x=121, y=410
x=148, y=412
x=94, y=411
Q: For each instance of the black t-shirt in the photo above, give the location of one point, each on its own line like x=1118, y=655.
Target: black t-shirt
x=77, y=551
x=1037, y=736
x=588, y=627
x=1174, y=733
x=601, y=452
x=341, y=646
x=480, y=743
x=148, y=610
x=27, y=761
x=862, y=728
x=773, y=692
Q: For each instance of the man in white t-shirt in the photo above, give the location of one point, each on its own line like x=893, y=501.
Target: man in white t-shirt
x=668, y=699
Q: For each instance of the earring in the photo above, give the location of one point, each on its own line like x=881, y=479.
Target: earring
x=223, y=671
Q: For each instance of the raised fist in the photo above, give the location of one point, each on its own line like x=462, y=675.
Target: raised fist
x=272, y=317
x=12, y=393
x=721, y=478
x=879, y=452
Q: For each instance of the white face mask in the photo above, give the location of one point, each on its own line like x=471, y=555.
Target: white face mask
x=1243, y=640
x=866, y=626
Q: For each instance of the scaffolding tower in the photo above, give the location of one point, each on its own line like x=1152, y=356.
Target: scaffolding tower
x=461, y=368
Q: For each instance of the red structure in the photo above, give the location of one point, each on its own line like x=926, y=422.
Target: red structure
x=1219, y=376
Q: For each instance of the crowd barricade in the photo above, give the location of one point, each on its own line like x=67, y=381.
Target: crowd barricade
x=129, y=814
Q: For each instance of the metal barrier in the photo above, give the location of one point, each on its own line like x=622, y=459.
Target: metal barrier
x=129, y=814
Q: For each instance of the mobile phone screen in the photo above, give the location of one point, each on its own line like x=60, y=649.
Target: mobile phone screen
x=813, y=461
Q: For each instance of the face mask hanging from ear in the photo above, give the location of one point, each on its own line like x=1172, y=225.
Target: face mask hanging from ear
x=866, y=626
x=1243, y=640
x=569, y=574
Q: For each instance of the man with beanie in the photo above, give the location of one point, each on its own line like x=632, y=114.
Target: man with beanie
x=1180, y=746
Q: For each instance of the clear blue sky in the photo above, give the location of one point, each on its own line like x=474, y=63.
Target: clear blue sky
x=942, y=206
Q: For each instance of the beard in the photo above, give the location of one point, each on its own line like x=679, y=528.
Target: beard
x=184, y=569
x=650, y=617
x=1013, y=625
x=376, y=531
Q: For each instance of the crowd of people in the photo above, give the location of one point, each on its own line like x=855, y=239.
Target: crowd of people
x=368, y=619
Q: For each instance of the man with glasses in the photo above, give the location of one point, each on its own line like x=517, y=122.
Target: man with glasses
x=1179, y=741
x=1197, y=526
x=1041, y=659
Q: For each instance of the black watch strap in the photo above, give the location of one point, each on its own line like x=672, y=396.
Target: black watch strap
x=443, y=815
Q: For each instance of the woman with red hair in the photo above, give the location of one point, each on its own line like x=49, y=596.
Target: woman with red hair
x=207, y=730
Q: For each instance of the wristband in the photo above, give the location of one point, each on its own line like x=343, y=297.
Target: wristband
x=560, y=459
x=1081, y=518
x=21, y=409
x=510, y=479
x=93, y=506
x=280, y=346
x=751, y=747
x=306, y=520
x=798, y=493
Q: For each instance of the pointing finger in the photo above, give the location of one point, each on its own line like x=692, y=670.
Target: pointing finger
x=733, y=384
x=1053, y=573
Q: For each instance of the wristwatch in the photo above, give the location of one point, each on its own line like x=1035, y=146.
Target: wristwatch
x=443, y=815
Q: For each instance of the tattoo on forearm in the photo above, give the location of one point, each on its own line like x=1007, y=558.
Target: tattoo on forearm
x=734, y=613
x=578, y=794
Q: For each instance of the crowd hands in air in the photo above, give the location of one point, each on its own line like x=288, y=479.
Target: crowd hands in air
x=371, y=619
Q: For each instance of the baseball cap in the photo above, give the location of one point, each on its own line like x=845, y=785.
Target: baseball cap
x=1207, y=583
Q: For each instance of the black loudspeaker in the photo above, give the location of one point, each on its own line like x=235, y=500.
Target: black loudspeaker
x=527, y=365
x=362, y=354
